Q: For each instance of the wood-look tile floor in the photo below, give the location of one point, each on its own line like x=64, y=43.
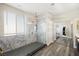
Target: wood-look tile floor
x=61, y=47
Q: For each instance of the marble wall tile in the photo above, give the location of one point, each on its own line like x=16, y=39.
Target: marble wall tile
x=8, y=43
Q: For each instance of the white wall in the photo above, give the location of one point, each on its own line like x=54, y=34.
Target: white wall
x=1, y=21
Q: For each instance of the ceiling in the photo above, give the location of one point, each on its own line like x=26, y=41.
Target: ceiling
x=52, y=8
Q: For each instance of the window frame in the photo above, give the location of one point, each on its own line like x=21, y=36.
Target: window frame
x=6, y=22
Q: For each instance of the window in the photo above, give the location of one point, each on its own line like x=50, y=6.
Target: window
x=9, y=23
x=13, y=23
x=20, y=24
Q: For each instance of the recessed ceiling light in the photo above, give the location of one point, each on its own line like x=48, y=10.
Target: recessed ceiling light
x=19, y=6
x=52, y=4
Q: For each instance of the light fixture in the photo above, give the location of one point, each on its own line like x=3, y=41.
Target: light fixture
x=52, y=4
